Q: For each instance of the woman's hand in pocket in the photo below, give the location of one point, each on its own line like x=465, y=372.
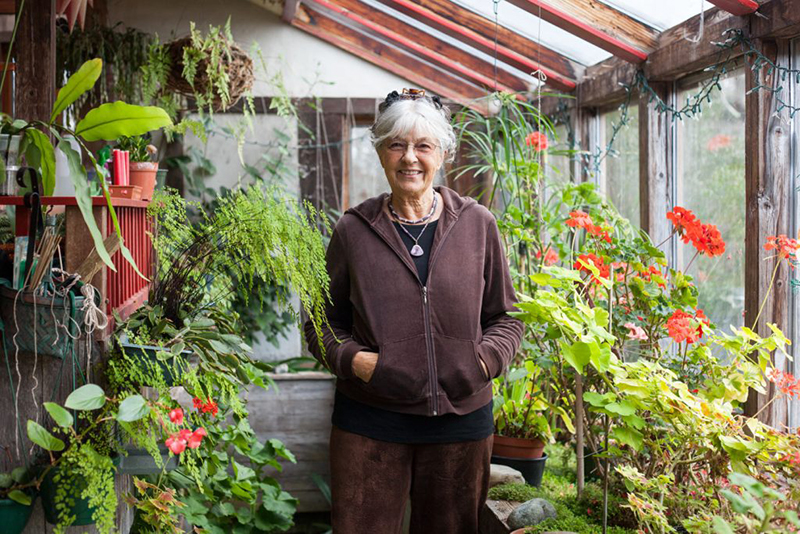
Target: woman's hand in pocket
x=364, y=364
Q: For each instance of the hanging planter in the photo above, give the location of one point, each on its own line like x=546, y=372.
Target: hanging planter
x=141, y=462
x=46, y=323
x=213, y=68
x=158, y=360
x=14, y=516
x=76, y=506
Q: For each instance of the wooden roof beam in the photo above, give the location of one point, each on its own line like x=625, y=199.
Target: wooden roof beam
x=597, y=23
x=426, y=46
x=478, y=32
x=289, y=10
x=389, y=58
x=736, y=7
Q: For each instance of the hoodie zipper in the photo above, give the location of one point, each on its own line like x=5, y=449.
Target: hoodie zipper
x=434, y=379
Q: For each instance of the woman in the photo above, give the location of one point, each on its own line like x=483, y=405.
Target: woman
x=420, y=295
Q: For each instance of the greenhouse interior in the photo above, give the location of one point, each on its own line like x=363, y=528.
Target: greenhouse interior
x=399, y=266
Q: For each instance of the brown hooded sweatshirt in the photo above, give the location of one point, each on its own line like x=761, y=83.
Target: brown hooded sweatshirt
x=430, y=339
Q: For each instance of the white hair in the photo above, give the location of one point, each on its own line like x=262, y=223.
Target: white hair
x=421, y=117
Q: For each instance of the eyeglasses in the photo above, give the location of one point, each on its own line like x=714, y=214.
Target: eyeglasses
x=423, y=148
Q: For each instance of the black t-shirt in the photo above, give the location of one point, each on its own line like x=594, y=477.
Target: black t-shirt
x=377, y=423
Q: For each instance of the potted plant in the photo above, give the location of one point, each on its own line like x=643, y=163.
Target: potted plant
x=16, y=500
x=142, y=170
x=521, y=426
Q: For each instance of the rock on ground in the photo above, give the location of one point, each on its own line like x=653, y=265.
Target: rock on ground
x=531, y=513
x=502, y=474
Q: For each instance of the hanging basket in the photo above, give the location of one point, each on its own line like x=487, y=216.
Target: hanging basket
x=238, y=66
x=14, y=516
x=45, y=323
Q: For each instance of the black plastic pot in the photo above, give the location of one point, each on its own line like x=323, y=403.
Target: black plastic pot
x=171, y=369
x=532, y=469
x=591, y=464
x=141, y=462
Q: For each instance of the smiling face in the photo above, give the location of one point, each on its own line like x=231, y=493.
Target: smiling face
x=410, y=170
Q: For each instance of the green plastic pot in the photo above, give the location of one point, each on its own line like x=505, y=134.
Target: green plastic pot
x=14, y=516
x=77, y=507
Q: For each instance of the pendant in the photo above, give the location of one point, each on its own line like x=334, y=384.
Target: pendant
x=417, y=251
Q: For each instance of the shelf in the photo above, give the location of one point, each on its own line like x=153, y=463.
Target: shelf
x=72, y=201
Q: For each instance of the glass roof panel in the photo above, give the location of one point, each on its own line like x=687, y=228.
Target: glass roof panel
x=652, y=12
x=538, y=30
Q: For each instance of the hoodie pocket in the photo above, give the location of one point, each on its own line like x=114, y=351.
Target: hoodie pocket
x=401, y=373
x=458, y=367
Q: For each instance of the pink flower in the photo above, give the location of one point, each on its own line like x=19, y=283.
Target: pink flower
x=196, y=437
x=636, y=332
x=718, y=141
x=176, y=416
x=175, y=444
x=537, y=140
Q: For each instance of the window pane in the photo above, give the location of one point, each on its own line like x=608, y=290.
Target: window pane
x=558, y=166
x=620, y=169
x=366, y=174
x=711, y=183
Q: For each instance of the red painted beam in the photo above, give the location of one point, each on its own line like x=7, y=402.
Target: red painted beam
x=475, y=40
x=420, y=51
x=391, y=59
x=737, y=7
x=595, y=23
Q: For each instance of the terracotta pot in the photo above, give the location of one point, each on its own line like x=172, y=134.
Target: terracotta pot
x=143, y=174
x=517, y=447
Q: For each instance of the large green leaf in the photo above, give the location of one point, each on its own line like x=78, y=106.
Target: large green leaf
x=78, y=83
x=40, y=436
x=44, y=158
x=88, y=397
x=132, y=409
x=628, y=436
x=84, y=200
x=20, y=497
x=578, y=354
x=114, y=120
x=61, y=416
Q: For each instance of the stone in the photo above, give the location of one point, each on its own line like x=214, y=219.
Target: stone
x=502, y=474
x=531, y=513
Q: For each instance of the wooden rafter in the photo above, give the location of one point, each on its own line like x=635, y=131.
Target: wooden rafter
x=426, y=46
x=597, y=23
x=737, y=7
x=388, y=57
x=478, y=32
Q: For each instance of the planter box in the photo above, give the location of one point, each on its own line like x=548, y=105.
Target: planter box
x=298, y=413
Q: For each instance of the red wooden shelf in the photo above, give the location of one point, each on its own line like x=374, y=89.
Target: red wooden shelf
x=71, y=201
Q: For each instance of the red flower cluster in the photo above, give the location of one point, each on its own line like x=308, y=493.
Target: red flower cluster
x=785, y=382
x=178, y=441
x=176, y=416
x=550, y=256
x=206, y=407
x=597, y=261
x=580, y=219
x=786, y=247
x=686, y=327
x=537, y=140
x=649, y=272
x=704, y=237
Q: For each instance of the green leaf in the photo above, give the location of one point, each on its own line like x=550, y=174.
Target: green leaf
x=88, y=397
x=61, y=416
x=721, y=526
x=577, y=355
x=40, y=436
x=19, y=474
x=628, y=436
x=117, y=119
x=132, y=409
x=84, y=200
x=601, y=358
x=46, y=161
x=20, y=497
x=596, y=399
x=80, y=82
x=622, y=408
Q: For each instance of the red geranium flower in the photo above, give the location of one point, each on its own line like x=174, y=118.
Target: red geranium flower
x=686, y=327
x=597, y=261
x=704, y=237
x=537, y=140
x=176, y=416
x=786, y=247
x=550, y=256
x=196, y=437
x=785, y=382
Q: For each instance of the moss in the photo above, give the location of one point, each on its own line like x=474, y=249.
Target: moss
x=513, y=492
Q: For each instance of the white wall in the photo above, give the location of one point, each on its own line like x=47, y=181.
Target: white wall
x=309, y=67
x=301, y=57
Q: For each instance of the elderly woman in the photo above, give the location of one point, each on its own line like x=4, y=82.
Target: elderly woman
x=420, y=295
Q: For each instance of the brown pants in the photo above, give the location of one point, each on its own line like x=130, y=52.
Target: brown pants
x=372, y=480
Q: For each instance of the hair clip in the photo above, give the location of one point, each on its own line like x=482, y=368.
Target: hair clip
x=408, y=94
x=413, y=94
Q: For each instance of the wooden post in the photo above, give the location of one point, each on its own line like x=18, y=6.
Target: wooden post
x=655, y=170
x=35, y=53
x=768, y=192
x=579, y=445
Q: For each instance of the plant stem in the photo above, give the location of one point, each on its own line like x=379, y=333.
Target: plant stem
x=11, y=45
x=769, y=290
